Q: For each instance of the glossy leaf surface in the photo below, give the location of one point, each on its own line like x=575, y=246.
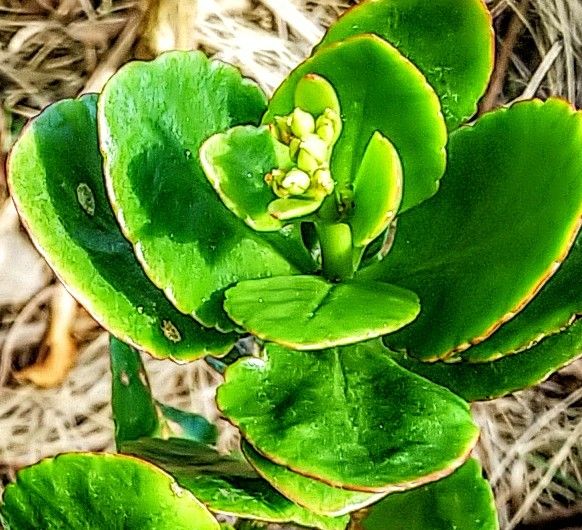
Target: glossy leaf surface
x=463, y=500
x=482, y=248
x=314, y=94
x=378, y=90
x=291, y=208
x=153, y=119
x=189, y=425
x=377, y=191
x=313, y=494
x=135, y=412
x=79, y=491
x=57, y=185
x=350, y=417
x=236, y=163
x=226, y=484
x=481, y=381
x=559, y=301
x=310, y=313
x=451, y=42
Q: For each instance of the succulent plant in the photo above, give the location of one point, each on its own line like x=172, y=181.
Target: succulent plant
x=392, y=258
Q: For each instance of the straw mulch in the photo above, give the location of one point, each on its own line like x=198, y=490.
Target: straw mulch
x=531, y=444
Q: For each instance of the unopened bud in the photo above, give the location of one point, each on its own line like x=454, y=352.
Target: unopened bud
x=326, y=132
x=328, y=126
x=296, y=182
x=294, y=148
x=316, y=147
x=302, y=123
x=306, y=162
x=324, y=180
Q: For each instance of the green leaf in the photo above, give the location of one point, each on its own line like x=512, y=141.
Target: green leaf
x=63, y=203
x=153, y=119
x=463, y=500
x=310, y=313
x=315, y=95
x=451, y=42
x=226, y=484
x=377, y=191
x=135, y=412
x=559, y=301
x=378, y=90
x=349, y=417
x=189, y=425
x=310, y=493
x=508, y=211
x=293, y=208
x=236, y=163
x=480, y=381
x=81, y=491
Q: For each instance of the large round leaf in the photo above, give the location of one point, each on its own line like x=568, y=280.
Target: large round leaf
x=451, y=42
x=378, y=90
x=313, y=494
x=463, y=500
x=57, y=185
x=480, y=381
x=310, y=313
x=226, y=483
x=559, y=301
x=350, y=417
x=153, y=119
x=507, y=214
x=98, y=491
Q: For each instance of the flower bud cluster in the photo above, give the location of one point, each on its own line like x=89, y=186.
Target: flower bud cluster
x=310, y=140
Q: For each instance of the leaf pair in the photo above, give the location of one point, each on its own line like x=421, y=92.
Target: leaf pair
x=198, y=245
x=56, y=182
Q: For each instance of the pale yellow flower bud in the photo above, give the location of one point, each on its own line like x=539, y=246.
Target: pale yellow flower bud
x=302, y=123
x=328, y=126
x=326, y=132
x=306, y=162
x=324, y=180
x=316, y=147
x=296, y=182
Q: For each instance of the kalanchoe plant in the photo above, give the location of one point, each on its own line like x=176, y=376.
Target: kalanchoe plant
x=184, y=211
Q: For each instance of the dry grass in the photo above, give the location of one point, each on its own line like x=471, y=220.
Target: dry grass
x=49, y=49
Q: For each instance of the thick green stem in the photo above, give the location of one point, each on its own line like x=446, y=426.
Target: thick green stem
x=336, y=250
